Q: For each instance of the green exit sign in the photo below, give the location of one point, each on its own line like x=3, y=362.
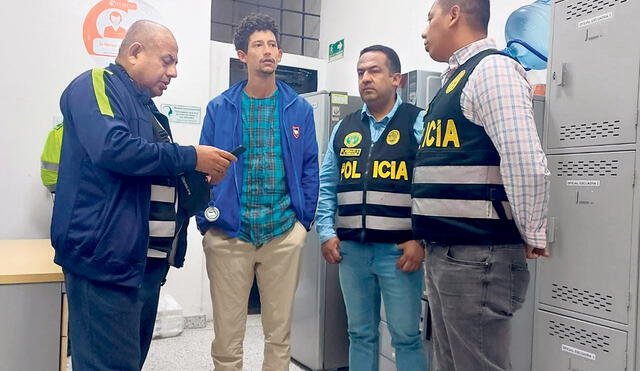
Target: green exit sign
x=336, y=50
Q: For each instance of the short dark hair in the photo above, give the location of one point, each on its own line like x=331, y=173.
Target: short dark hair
x=393, y=61
x=250, y=24
x=476, y=11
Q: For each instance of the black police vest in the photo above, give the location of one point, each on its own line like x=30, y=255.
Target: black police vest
x=374, y=191
x=162, y=210
x=457, y=191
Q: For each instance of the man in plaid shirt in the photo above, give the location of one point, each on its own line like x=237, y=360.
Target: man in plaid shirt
x=260, y=213
x=480, y=190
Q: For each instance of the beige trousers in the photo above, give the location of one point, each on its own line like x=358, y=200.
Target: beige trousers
x=231, y=264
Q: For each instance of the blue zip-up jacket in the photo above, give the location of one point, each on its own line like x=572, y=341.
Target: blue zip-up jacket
x=100, y=224
x=223, y=129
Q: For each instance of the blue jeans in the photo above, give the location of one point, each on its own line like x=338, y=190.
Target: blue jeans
x=366, y=271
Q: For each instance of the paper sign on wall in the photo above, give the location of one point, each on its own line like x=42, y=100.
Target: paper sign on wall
x=179, y=114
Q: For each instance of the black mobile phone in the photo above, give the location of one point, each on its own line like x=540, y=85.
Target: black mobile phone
x=238, y=151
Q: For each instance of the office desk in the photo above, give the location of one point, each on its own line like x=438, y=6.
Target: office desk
x=33, y=318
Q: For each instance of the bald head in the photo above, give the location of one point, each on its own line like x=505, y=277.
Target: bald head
x=149, y=54
x=144, y=32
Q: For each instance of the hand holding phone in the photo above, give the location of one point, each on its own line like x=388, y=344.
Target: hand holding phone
x=238, y=151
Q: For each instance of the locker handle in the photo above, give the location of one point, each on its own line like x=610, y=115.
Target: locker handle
x=558, y=76
x=551, y=230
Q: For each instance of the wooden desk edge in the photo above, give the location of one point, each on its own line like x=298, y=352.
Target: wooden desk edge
x=31, y=278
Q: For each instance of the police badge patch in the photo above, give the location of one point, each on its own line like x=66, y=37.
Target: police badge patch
x=393, y=137
x=352, y=139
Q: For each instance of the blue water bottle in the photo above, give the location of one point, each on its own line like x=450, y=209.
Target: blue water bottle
x=527, y=34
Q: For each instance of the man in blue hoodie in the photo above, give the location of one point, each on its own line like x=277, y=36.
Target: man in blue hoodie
x=260, y=213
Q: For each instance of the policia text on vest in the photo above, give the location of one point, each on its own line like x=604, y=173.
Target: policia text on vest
x=458, y=193
x=374, y=199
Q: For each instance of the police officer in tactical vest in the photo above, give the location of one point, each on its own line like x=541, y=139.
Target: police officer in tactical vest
x=364, y=214
x=480, y=190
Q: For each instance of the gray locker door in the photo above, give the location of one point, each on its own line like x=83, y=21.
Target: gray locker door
x=564, y=343
x=590, y=211
x=320, y=103
x=593, y=89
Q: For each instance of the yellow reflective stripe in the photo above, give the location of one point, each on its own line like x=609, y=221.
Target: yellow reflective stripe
x=48, y=177
x=99, y=89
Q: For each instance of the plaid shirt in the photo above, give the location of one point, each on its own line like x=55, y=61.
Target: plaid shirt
x=498, y=98
x=265, y=202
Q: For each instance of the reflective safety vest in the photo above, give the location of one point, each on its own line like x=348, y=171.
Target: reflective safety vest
x=50, y=158
x=374, y=190
x=163, y=206
x=458, y=194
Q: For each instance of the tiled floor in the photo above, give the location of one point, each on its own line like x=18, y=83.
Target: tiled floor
x=191, y=350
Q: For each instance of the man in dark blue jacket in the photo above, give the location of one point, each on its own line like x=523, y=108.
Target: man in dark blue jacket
x=114, y=218
x=257, y=220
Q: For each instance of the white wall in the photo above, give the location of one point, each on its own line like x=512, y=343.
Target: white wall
x=397, y=24
x=35, y=71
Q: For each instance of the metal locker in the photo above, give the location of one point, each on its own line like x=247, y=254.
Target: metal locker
x=591, y=64
x=590, y=214
x=565, y=343
x=586, y=293
x=319, y=338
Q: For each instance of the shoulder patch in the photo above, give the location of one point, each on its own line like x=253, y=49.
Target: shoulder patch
x=352, y=139
x=456, y=80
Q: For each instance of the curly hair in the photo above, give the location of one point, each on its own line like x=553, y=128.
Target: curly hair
x=250, y=24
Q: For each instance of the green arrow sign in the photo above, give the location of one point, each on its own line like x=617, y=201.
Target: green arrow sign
x=336, y=50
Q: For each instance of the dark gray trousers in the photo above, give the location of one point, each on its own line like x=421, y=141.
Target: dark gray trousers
x=473, y=292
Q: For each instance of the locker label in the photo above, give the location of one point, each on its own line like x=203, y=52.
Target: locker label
x=583, y=183
x=594, y=20
x=578, y=352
